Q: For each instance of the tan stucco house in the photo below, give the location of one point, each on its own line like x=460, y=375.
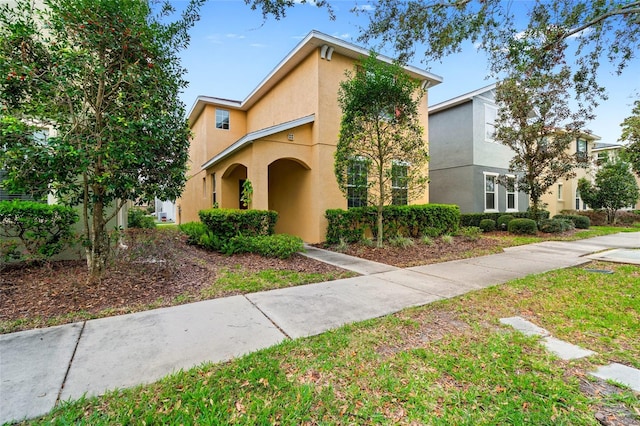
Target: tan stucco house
x=281, y=138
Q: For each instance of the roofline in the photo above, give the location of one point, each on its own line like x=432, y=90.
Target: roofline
x=312, y=41
x=249, y=138
x=460, y=99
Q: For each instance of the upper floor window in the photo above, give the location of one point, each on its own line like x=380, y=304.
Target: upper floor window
x=399, y=186
x=357, y=182
x=222, y=119
x=581, y=149
x=490, y=116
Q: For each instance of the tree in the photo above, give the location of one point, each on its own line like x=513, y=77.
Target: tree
x=381, y=152
x=615, y=188
x=105, y=76
x=534, y=116
x=631, y=134
x=600, y=29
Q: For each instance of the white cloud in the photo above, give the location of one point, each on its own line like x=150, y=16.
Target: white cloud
x=234, y=36
x=365, y=7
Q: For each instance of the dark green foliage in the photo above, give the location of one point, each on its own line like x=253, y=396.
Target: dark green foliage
x=228, y=223
x=473, y=219
x=580, y=222
x=487, y=225
x=199, y=235
x=471, y=233
x=44, y=230
x=281, y=246
x=138, y=218
x=556, y=225
x=503, y=221
x=413, y=221
x=523, y=226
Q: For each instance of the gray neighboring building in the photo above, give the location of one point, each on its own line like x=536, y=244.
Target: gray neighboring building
x=465, y=161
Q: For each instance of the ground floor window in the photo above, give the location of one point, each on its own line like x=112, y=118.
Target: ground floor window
x=357, y=183
x=399, y=185
x=490, y=192
x=511, y=193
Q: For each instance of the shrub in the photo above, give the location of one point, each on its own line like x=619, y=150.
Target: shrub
x=627, y=218
x=447, y=239
x=413, y=221
x=596, y=217
x=228, y=223
x=400, y=241
x=580, y=222
x=432, y=232
x=555, y=225
x=281, y=246
x=137, y=218
x=198, y=234
x=427, y=240
x=471, y=233
x=487, y=225
x=503, y=221
x=523, y=226
x=44, y=230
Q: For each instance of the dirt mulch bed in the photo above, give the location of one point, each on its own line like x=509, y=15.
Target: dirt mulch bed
x=420, y=253
x=155, y=268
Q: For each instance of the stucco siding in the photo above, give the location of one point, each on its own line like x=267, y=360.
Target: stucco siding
x=450, y=138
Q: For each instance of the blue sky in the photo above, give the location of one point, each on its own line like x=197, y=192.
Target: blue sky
x=232, y=49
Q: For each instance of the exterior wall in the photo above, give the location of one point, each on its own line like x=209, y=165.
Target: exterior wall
x=450, y=140
x=290, y=171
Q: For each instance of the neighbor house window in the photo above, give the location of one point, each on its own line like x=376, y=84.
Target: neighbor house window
x=399, y=188
x=560, y=188
x=357, y=183
x=578, y=200
x=490, y=116
x=490, y=191
x=214, y=200
x=222, y=119
x=512, y=194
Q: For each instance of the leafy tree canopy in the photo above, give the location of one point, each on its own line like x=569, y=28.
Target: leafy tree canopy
x=631, y=135
x=614, y=188
x=102, y=77
x=380, y=130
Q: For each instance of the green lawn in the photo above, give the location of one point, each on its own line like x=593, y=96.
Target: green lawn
x=446, y=363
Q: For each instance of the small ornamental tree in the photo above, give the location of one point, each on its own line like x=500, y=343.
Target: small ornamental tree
x=103, y=78
x=631, y=135
x=381, y=151
x=615, y=188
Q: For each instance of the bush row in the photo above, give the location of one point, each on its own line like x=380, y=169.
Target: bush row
x=232, y=231
x=474, y=219
x=413, y=221
x=138, y=218
x=43, y=230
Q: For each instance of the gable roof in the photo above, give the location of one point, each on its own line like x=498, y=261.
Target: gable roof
x=311, y=42
x=460, y=99
x=249, y=138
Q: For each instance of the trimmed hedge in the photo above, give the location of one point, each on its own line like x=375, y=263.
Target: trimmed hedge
x=281, y=246
x=487, y=225
x=523, y=226
x=556, y=225
x=503, y=221
x=473, y=219
x=44, y=230
x=228, y=223
x=412, y=221
x=580, y=222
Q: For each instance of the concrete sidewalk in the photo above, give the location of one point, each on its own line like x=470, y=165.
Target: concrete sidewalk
x=39, y=368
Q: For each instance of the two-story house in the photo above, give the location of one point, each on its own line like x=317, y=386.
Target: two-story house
x=466, y=161
x=281, y=138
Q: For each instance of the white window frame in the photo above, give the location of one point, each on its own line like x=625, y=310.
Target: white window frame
x=560, y=190
x=221, y=115
x=490, y=126
x=394, y=182
x=494, y=177
x=354, y=200
x=514, y=193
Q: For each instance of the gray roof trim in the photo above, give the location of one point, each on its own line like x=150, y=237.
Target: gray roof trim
x=249, y=138
x=460, y=99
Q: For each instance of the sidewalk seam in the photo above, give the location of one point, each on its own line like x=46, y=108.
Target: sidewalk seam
x=73, y=355
x=267, y=317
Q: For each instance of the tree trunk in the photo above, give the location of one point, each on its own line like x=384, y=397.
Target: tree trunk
x=98, y=249
x=380, y=226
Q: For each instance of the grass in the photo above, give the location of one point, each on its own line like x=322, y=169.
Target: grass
x=447, y=363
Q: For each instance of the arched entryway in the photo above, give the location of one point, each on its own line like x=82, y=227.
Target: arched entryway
x=290, y=194
x=232, y=180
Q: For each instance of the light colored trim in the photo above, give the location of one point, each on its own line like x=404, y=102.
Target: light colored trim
x=313, y=41
x=495, y=193
x=460, y=99
x=515, y=195
x=249, y=138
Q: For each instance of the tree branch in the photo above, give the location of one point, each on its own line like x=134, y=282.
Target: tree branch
x=631, y=8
